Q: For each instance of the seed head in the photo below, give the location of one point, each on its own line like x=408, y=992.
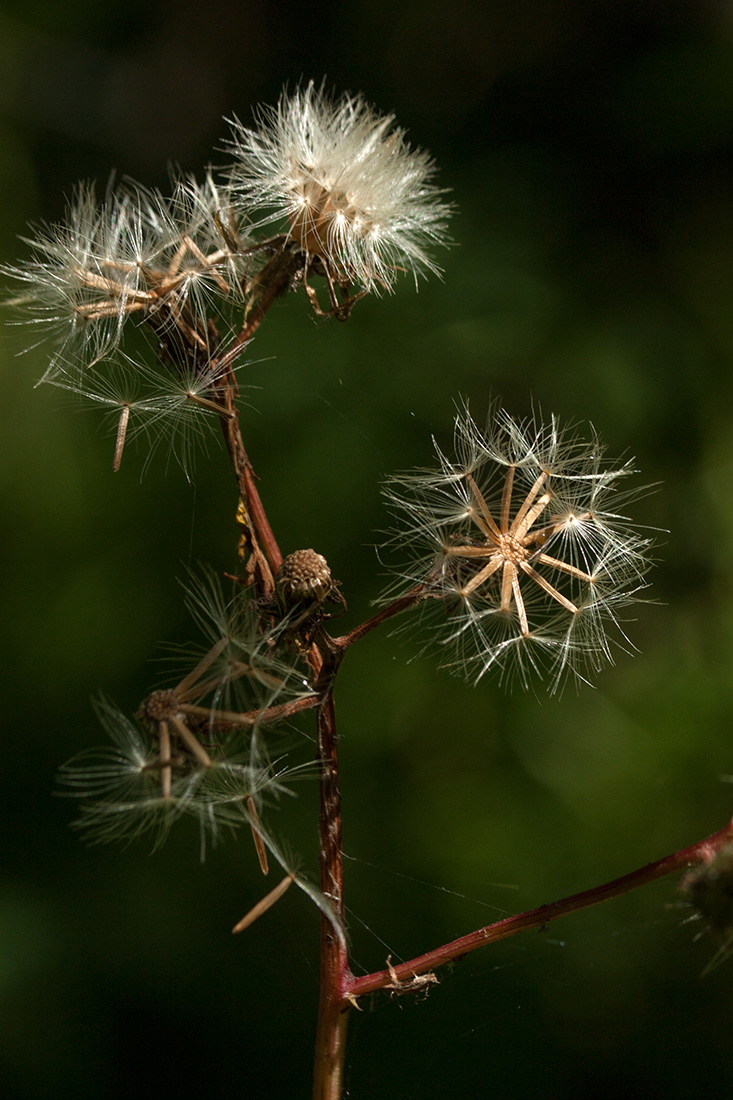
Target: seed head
x=708, y=886
x=136, y=254
x=198, y=749
x=346, y=184
x=304, y=575
x=521, y=538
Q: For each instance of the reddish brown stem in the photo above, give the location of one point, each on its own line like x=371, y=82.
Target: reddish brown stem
x=275, y=280
x=272, y=282
x=395, y=608
x=260, y=521
x=334, y=1005
x=265, y=552
x=536, y=918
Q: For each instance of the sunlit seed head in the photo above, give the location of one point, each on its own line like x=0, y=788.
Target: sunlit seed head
x=522, y=540
x=344, y=184
x=135, y=255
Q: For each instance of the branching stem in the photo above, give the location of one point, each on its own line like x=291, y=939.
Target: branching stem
x=537, y=918
x=339, y=989
x=395, y=608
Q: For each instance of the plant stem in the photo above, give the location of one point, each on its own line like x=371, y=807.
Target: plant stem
x=395, y=608
x=266, y=557
x=265, y=560
x=536, y=918
x=333, y=1009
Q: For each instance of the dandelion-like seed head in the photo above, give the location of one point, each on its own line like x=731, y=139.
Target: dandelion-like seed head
x=136, y=254
x=522, y=540
x=153, y=774
x=345, y=182
x=196, y=749
x=83, y=276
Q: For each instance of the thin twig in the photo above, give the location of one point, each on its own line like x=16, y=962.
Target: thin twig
x=402, y=603
x=537, y=918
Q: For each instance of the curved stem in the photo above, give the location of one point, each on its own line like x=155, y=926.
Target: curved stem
x=536, y=918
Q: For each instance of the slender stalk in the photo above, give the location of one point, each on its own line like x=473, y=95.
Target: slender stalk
x=395, y=608
x=271, y=283
x=334, y=1005
x=330, y=1050
x=265, y=560
x=536, y=918
x=252, y=717
x=266, y=557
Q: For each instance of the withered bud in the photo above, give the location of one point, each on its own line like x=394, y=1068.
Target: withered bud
x=304, y=575
x=160, y=706
x=709, y=888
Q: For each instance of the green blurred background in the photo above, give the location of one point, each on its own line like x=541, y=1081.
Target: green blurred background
x=589, y=146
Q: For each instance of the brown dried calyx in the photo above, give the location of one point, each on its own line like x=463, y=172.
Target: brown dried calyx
x=160, y=706
x=304, y=577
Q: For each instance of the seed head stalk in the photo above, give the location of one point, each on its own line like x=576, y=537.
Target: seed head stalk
x=265, y=553
x=324, y=659
x=333, y=1008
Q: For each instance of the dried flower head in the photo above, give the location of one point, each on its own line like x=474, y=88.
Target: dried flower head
x=345, y=182
x=197, y=748
x=708, y=886
x=135, y=255
x=143, y=783
x=522, y=539
x=304, y=576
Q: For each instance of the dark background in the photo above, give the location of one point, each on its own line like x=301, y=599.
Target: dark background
x=589, y=147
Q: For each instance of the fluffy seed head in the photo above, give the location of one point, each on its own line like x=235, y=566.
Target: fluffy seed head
x=344, y=183
x=136, y=254
x=521, y=539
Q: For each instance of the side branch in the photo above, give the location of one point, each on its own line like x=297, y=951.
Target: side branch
x=536, y=918
x=419, y=592
x=251, y=718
